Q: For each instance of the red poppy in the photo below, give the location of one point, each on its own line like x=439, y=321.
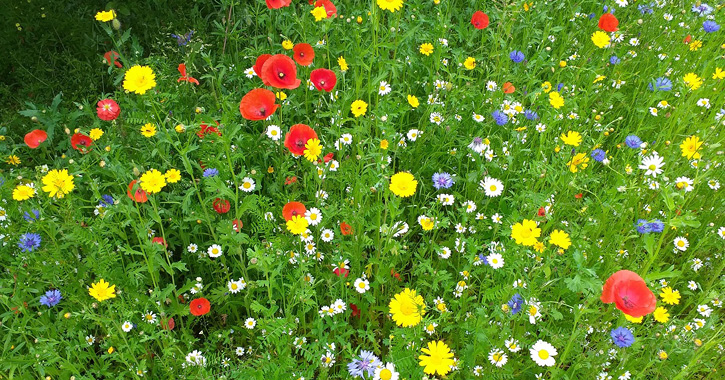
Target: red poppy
x=290, y=180
x=81, y=142
x=329, y=157
x=276, y=4
x=111, y=58
x=345, y=228
x=297, y=137
x=107, y=109
x=508, y=88
x=355, y=310
x=258, y=104
x=206, y=129
x=35, y=137
x=136, y=193
x=341, y=272
x=293, y=209
x=304, y=54
x=687, y=39
x=578, y=196
x=323, y=79
x=167, y=324
x=184, y=77
x=259, y=63
x=394, y=273
x=237, y=225
x=629, y=293
x=328, y=5
x=159, y=240
x=479, y=20
x=608, y=23
x=280, y=71
x=542, y=211
x=221, y=206
x=199, y=306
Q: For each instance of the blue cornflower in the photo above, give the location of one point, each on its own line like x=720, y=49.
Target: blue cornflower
x=211, y=172
x=656, y=226
x=517, y=56
x=702, y=9
x=29, y=242
x=592, y=15
x=515, y=303
x=661, y=84
x=500, y=117
x=51, y=298
x=365, y=366
x=710, y=26
x=483, y=258
x=614, y=60
x=442, y=180
x=642, y=226
x=183, y=40
x=633, y=141
x=622, y=337
x=559, y=86
x=31, y=218
x=645, y=9
x=599, y=155
x=106, y=200
x=531, y=115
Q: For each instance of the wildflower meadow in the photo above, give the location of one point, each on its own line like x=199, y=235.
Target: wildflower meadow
x=381, y=189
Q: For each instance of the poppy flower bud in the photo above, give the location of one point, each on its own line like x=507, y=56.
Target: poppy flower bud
x=34, y=119
x=136, y=172
x=116, y=24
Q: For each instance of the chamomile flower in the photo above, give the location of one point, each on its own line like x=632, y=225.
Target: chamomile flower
x=247, y=185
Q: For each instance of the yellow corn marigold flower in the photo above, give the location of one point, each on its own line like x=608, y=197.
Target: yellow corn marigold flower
x=172, y=175
x=413, y=101
x=342, y=63
x=152, y=181
x=560, y=238
x=661, y=315
x=403, y=184
x=23, y=192
x=571, y=138
x=105, y=16
x=139, y=79
x=13, y=160
x=633, y=319
x=600, y=39
x=718, y=74
x=384, y=144
x=297, y=225
x=692, y=81
x=313, y=149
x=426, y=223
x=148, y=130
x=102, y=290
x=695, y=44
x=525, y=233
x=287, y=45
x=95, y=133
x=390, y=5
x=669, y=296
x=546, y=86
x=319, y=12
x=470, y=63
x=407, y=308
x=426, y=49
x=579, y=161
x=358, y=108
x=58, y=183
x=439, y=358
x=690, y=147
x=556, y=100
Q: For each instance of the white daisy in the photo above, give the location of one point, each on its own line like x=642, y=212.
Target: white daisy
x=384, y=88
x=491, y=186
x=681, y=243
x=362, y=285
x=273, y=132
x=250, y=323
x=236, y=286
x=250, y=72
x=327, y=235
x=543, y=354
x=192, y=248
x=346, y=138
x=214, y=251
x=313, y=216
x=495, y=260
x=652, y=164
x=247, y=185
x=497, y=357
x=127, y=326
x=413, y=134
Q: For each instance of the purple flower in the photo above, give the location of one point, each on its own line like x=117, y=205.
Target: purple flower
x=106, y=200
x=559, y=86
x=710, y=26
x=702, y=9
x=622, y=337
x=656, y=226
x=442, y=180
x=645, y=9
x=515, y=303
x=642, y=226
x=661, y=84
x=500, y=117
x=531, y=115
x=517, y=56
x=366, y=365
x=633, y=141
x=483, y=258
x=51, y=298
x=599, y=155
x=29, y=242
x=31, y=218
x=614, y=60
x=210, y=172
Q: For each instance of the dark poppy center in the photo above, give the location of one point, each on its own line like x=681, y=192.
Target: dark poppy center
x=322, y=82
x=300, y=143
x=281, y=75
x=295, y=213
x=262, y=111
x=302, y=54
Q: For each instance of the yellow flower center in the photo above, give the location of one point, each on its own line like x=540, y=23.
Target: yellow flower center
x=652, y=167
x=386, y=374
x=361, y=285
x=543, y=354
